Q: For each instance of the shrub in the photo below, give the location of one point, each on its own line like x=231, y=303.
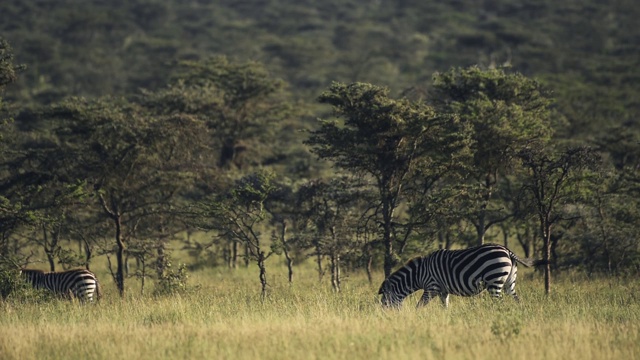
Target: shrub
x=172, y=282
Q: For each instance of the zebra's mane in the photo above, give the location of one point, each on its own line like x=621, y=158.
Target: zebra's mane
x=33, y=271
x=415, y=258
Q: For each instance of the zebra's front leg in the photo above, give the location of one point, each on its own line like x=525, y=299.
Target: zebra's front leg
x=426, y=297
x=444, y=297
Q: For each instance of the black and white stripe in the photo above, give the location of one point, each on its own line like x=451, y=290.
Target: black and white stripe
x=79, y=283
x=458, y=272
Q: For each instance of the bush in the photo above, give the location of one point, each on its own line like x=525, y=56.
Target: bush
x=172, y=282
x=9, y=281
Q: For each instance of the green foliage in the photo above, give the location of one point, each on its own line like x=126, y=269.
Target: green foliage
x=172, y=282
x=70, y=259
x=239, y=215
x=9, y=280
x=8, y=71
x=246, y=107
x=607, y=231
x=440, y=153
x=332, y=217
x=585, y=52
x=506, y=112
x=238, y=211
x=393, y=141
x=377, y=135
x=253, y=190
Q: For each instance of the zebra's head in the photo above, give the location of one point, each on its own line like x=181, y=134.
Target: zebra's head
x=389, y=298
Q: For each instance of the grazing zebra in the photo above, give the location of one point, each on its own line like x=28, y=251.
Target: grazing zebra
x=459, y=272
x=79, y=283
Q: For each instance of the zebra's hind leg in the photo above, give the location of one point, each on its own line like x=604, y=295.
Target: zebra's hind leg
x=511, y=290
x=495, y=291
x=510, y=287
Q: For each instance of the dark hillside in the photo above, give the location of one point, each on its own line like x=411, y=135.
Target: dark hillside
x=586, y=51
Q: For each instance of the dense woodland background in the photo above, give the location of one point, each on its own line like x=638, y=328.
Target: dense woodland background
x=355, y=134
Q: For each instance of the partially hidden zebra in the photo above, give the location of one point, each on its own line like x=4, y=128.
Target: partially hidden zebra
x=458, y=272
x=79, y=283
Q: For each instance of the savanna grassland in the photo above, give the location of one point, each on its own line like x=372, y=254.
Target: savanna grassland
x=222, y=317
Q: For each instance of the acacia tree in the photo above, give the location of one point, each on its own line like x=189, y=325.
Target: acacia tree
x=505, y=113
x=384, y=138
x=332, y=215
x=552, y=182
x=12, y=212
x=134, y=163
x=239, y=214
x=608, y=233
x=8, y=70
x=246, y=109
x=41, y=174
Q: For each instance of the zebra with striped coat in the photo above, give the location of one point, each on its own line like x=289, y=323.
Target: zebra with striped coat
x=458, y=272
x=79, y=283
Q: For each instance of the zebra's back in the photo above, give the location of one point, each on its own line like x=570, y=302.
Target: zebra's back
x=466, y=272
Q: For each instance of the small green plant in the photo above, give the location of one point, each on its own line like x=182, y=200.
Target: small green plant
x=506, y=328
x=172, y=282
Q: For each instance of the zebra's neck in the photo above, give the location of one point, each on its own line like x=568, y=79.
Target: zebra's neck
x=410, y=278
x=33, y=276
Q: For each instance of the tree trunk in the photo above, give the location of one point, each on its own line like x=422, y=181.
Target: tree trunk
x=554, y=246
x=48, y=249
x=234, y=254
x=387, y=214
x=444, y=238
x=144, y=274
x=369, y=263
x=525, y=242
x=480, y=227
x=161, y=260
x=546, y=231
x=119, y=255
x=319, y=261
x=127, y=265
x=263, y=273
x=505, y=237
x=482, y=215
x=246, y=254
x=286, y=251
x=88, y=254
x=335, y=272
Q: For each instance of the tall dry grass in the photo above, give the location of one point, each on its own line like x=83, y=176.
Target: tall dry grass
x=225, y=319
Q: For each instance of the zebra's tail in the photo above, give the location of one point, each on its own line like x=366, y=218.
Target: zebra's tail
x=528, y=262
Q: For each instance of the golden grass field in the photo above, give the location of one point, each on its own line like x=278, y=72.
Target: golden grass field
x=224, y=318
